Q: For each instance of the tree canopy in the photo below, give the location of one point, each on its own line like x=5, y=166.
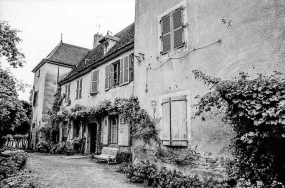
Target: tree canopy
x=8, y=45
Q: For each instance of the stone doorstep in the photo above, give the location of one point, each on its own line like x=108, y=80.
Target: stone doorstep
x=76, y=157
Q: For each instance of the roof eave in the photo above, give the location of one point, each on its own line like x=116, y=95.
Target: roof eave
x=96, y=64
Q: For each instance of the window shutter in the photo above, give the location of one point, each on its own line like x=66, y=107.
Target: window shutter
x=107, y=80
x=165, y=38
x=111, y=67
x=179, y=121
x=178, y=28
x=123, y=134
x=66, y=93
x=77, y=87
x=105, y=130
x=80, y=89
x=121, y=79
x=95, y=81
x=166, y=137
x=126, y=69
x=131, y=72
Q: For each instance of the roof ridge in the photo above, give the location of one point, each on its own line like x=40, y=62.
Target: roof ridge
x=75, y=46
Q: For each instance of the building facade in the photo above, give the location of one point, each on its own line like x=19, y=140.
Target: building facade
x=105, y=73
x=55, y=66
x=220, y=38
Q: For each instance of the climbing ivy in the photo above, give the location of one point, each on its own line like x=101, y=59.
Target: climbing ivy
x=142, y=126
x=255, y=108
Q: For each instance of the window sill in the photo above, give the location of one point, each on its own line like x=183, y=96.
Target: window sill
x=172, y=53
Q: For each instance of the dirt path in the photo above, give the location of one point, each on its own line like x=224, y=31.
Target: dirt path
x=55, y=171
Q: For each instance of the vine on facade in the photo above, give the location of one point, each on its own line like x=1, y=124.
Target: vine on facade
x=142, y=126
x=255, y=108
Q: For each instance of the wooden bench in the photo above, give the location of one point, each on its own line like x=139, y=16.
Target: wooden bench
x=108, y=154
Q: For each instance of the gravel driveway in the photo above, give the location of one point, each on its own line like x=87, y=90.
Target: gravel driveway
x=55, y=171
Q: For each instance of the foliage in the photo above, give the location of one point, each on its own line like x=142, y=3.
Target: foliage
x=58, y=148
x=12, y=161
x=43, y=147
x=21, y=179
x=124, y=157
x=142, y=126
x=12, y=113
x=8, y=45
x=177, y=157
x=255, y=108
x=161, y=177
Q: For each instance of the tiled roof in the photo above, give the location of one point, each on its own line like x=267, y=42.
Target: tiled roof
x=97, y=57
x=65, y=54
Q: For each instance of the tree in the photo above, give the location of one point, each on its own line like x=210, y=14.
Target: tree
x=12, y=113
x=255, y=108
x=8, y=45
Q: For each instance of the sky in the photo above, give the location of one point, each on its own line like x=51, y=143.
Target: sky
x=43, y=21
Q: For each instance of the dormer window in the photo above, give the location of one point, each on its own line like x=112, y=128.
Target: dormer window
x=108, y=41
x=87, y=61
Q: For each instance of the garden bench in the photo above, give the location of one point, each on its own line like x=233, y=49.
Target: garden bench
x=108, y=154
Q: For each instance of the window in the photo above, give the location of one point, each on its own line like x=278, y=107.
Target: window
x=79, y=88
x=119, y=73
x=67, y=92
x=114, y=74
x=114, y=129
x=174, y=121
x=94, y=81
x=87, y=61
x=35, y=101
x=172, y=31
x=39, y=73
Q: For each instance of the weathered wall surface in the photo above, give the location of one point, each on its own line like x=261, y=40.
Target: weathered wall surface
x=251, y=38
x=52, y=71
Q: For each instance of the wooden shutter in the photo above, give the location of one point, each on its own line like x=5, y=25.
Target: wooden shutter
x=80, y=88
x=123, y=133
x=121, y=79
x=178, y=28
x=105, y=131
x=126, y=69
x=77, y=87
x=68, y=92
x=95, y=81
x=165, y=37
x=107, y=80
x=111, y=75
x=179, y=121
x=131, y=72
x=166, y=128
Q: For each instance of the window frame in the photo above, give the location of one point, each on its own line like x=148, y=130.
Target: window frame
x=112, y=133
x=173, y=51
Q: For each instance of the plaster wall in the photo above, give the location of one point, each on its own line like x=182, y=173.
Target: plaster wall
x=251, y=39
x=50, y=86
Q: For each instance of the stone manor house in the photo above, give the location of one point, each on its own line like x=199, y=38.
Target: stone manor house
x=153, y=59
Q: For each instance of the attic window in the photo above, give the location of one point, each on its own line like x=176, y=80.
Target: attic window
x=106, y=47
x=87, y=61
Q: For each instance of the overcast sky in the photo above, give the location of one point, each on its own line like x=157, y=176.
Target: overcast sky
x=43, y=21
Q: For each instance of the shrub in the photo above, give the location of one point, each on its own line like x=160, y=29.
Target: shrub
x=11, y=162
x=43, y=147
x=58, y=148
x=255, y=108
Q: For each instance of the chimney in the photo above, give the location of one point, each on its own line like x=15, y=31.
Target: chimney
x=97, y=37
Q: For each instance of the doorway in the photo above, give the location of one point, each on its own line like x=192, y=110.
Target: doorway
x=93, y=133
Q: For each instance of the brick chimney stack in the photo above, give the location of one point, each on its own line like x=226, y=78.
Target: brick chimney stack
x=97, y=37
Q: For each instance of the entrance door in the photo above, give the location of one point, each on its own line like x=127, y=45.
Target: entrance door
x=93, y=132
